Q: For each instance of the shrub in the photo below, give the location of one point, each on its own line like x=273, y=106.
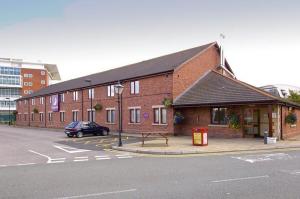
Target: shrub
x=35, y=110
x=98, y=107
x=234, y=121
x=167, y=102
x=178, y=118
x=291, y=118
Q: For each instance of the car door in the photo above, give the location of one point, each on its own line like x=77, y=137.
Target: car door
x=85, y=128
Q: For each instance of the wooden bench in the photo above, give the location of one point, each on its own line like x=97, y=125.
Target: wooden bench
x=162, y=134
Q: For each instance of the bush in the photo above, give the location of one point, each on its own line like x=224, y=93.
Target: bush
x=234, y=121
x=178, y=118
x=98, y=107
x=291, y=118
x=35, y=110
x=167, y=102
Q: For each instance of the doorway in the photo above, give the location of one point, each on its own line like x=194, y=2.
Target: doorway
x=251, y=125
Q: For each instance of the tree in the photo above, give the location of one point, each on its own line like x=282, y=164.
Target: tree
x=294, y=97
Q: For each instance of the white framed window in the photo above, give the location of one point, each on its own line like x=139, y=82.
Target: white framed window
x=41, y=100
x=25, y=116
x=43, y=82
x=26, y=92
x=134, y=115
x=50, y=116
x=62, y=116
x=75, y=95
x=43, y=72
x=32, y=116
x=91, y=93
x=41, y=116
x=25, y=83
x=134, y=87
x=25, y=75
x=29, y=83
x=89, y=112
x=110, y=90
x=75, y=115
x=25, y=101
x=32, y=101
x=30, y=75
x=159, y=115
x=110, y=115
x=30, y=91
x=62, y=97
x=50, y=99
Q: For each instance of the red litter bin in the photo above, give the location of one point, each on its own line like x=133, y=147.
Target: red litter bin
x=200, y=136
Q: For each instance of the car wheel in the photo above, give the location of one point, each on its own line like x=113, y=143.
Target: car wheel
x=79, y=134
x=70, y=135
x=104, y=132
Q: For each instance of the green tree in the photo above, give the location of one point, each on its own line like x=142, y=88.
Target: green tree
x=294, y=97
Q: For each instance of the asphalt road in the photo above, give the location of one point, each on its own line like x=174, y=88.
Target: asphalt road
x=258, y=175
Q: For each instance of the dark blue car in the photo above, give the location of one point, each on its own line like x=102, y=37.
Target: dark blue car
x=80, y=128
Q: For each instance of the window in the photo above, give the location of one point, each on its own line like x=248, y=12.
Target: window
x=43, y=82
x=33, y=101
x=25, y=116
x=159, y=115
x=89, y=115
x=25, y=75
x=50, y=100
x=10, y=70
x=135, y=87
x=62, y=116
x=110, y=90
x=32, y=116
x=62, y=97
x=219, y=116
x=91, y=93
x=10, y=80
x=30, y=91
x=75, y=95
x=135, y=114
x=41, y=100
x=25, y=83
x=41, y=117
x=29, y=83
x=10, y=92
x=75, y=115
x=110, y=115
x=30, y=75
x=50, y=118
x=43, y=72
x=25, y=101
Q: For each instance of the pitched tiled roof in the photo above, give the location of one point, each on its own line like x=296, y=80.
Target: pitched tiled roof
x=150, y=67
x=214, y=88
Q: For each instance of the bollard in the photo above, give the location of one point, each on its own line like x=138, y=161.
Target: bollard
x=266, y=137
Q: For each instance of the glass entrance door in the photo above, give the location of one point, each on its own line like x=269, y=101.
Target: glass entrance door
x=252, y=122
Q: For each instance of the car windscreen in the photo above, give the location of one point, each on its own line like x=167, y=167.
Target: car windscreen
x=72, y=125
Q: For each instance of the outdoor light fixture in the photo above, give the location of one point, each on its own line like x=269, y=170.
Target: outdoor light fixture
x=8, y=110
x=118, y=90
x=90, y=83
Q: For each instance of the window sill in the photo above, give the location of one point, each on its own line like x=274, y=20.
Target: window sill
x=134, y=123
x=109, y=123
x=219, y=125
x=154, y=124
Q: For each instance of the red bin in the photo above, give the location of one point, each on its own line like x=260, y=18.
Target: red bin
x=200, y=136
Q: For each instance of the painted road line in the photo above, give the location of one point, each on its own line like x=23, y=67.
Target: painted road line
x=24, y=164
x=123, y=156
x=240, y=179
x=81, y=160
x=101, y=156
x=98, y=194
x=85, y=157
x=70, y=149
x=104, y=158
x=54, y=162
x=264, y=157
x=3, y=165
x=50, y=160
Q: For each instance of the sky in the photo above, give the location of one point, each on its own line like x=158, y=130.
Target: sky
x=262, y=37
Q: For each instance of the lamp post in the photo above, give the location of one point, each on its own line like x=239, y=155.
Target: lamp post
x=118, y=90
x=8, y=110
x=90, y=83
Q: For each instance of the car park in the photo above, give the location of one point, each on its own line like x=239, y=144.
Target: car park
x=81, y=128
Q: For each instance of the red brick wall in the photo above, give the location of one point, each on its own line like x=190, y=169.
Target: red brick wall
x=192, y=70
x=288, y=130
x=152, y=92
x=35, y=79
x=200, y=117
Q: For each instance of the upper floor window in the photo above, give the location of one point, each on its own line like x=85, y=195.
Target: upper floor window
x=30, y=75
x=110, y=90
x=62, y=97
x=43, y=72
x=32, y=101
x=25, y=83
x=10, y=70
x=10, y=80
x=75, y=95
x=30, y=91
x=219, y=116
x=43, y=82
x=25, y=75
x=29, y=83
x=135, y=87
x=41, y=100
x=91, y=93
x=50, y=100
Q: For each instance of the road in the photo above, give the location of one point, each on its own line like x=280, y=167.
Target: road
x=257, y=175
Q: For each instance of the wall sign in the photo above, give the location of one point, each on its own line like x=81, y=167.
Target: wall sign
x=55, y=103
x=146, y=115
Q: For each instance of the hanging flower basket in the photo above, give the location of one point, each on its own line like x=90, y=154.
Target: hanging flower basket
x=178, y=118
x=35, y=110
x=98, y=107
x=167, y=102
x=291, y=118
x=234, y=121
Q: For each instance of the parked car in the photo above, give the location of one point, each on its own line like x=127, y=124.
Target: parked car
x=81, y=128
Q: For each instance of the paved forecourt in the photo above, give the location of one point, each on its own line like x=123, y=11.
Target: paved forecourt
x=29, y=146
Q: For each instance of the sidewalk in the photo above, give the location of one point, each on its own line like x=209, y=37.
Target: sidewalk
x=183, y=145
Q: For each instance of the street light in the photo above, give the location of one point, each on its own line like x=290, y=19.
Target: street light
x=8, y=110
x=118, y=90
x=90, y=83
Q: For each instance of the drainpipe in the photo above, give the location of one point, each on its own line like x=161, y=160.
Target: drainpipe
x=29, y=114
x=82, y=104
x=45, y=101
x=281, y=129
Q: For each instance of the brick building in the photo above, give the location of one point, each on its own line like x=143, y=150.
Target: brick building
x=19, y=78
x=202, y=87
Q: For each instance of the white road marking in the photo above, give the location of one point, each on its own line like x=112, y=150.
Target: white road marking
x=85, y=157
x=98, y=194
x=124, y=156
x=107, y=158
x=70, y=149
x=24, y=164
x=3, y=165
x=239, y=179
x=264, y=157
x=80, y=160
x=50, y=160
x=53, y=162
x=101, y=156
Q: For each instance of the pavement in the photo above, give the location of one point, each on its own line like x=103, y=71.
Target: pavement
x=183, y=145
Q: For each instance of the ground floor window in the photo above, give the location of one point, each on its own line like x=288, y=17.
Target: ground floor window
x=90, y=115
x=135, y=114
x=219, y=116
x=159, y=115
x=110, y=115
x=41, y=117
x=62, y=116
x=50, y=116
x=32, y=116
x=75, y=115
x=25, y=117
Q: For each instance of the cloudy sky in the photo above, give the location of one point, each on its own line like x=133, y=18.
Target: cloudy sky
x=262, y=41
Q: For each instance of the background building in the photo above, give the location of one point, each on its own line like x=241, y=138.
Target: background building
x=281, y=90
x=19, y=78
